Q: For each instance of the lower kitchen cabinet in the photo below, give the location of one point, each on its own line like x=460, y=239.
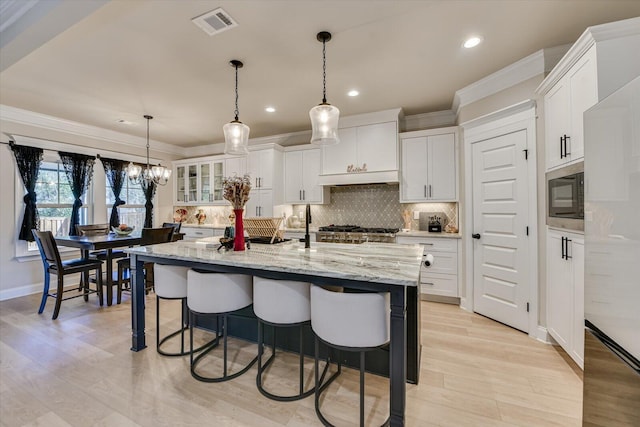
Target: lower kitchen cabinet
x=565, y=291
x=441, y=277
x=195, y=233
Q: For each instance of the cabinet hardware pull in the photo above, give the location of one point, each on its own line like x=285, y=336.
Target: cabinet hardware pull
x=426, y=244
x=300, y=195
x=476, y=235
x=567, y=256
x=566, y=151
x=425, y=191
x=427, y=283
x=562, y=246
x=430, y=191
x=561, y=156
x=304, y=195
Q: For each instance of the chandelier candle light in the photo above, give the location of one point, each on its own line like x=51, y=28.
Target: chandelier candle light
x=236, y=190
x=159, y=174
x=236, y=133
x=324, y=117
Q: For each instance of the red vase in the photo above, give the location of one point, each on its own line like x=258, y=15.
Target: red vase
x=238, y=241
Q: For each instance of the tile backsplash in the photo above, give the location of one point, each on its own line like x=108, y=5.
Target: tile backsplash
x=374, y=205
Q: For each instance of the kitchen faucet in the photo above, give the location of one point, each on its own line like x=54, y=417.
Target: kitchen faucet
x=307, y=221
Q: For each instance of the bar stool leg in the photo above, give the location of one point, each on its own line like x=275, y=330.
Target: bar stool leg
x=362, y=388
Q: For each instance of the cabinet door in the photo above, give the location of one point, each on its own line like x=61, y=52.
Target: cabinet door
x=251, y=207
x=235, y=166
x=218, y=177
x=441, y=183
x=266, y=203
x=311, y=191
x=262, y=165
x=180, y=175
x=414, y=169
x=560, y=313
x=293, y=176
x=377, y=147
x=336, y=158
x=557, y=122
x=583, y=95
x=205, y=195
x=192, y=183
x=577, y=254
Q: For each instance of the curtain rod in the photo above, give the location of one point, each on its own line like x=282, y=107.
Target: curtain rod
x=103, y=152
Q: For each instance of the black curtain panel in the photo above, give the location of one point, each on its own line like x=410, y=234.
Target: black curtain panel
x=149, y=189
x=28, y=160
x=79, y=170
x=116, y=172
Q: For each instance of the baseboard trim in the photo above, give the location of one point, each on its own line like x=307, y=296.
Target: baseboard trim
x=20, y=291
x=542, y=335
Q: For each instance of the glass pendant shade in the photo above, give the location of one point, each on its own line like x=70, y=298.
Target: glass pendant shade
x=160, y=174
x=324, y=124
x=134, y=172
x=236, y=138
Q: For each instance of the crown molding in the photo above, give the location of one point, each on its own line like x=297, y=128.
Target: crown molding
x=429, y=120
x=590, y=36
x=43, y=121
x=528, y=107
x=533, y=65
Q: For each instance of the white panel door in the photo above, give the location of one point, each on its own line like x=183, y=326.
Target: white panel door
x=442, y=167
x=500, y=217
x=414, y=169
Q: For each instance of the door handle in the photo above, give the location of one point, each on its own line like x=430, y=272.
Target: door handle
x=562, y=156
x=304, y=195
x=430, y=195
x=425, y=191
x=476, y=235
x=566, y=242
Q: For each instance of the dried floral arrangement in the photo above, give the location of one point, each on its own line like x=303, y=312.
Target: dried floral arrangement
x=236, y=190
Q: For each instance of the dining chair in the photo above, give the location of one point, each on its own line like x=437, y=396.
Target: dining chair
x=53, y=264
x=149, y=236
x=176, y=226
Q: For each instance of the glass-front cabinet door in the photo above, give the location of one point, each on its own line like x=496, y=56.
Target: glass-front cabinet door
x=218, y=176
x=192, y=183
x=181, y=189
x=206, y=195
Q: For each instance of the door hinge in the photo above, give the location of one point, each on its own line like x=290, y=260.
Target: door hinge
x=527, y=230
x=526, y=154
x=527, y=307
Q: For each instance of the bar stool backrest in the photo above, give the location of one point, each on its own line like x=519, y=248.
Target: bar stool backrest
x=93, y=229
x=48, y=248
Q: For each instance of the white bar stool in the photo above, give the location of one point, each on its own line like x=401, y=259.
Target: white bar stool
x=216, y=294
x=281, y=303
x=171, y=284
x=351, y=322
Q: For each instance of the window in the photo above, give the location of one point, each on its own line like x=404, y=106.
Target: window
x=55, y=201
x=132, y=212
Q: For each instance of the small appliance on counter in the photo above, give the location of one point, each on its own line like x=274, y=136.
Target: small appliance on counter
x=433, y=222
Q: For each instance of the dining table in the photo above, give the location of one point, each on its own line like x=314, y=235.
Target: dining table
x=106, y=242
x=374, y=267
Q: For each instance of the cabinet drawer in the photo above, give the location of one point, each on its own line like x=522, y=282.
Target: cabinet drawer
x=431, y=244
x=443, y=262
x=439, y=284
x=192, y=233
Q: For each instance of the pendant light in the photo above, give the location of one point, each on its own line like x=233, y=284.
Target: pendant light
x=236, y=133
x=324, y=117
x=159, y=174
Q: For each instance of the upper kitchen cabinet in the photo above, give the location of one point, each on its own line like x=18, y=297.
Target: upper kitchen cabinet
x=260, y=165
x=210, y=175
x=185, y=189
x=235, y=166
x=301, y=174
x=601, y=61
x=429, y=171
x=367, y=151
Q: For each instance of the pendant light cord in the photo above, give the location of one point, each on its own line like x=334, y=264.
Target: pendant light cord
x=148, y=118
x=236, y=110
x=324, y=72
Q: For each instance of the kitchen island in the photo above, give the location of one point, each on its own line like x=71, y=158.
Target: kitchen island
x=375, y=267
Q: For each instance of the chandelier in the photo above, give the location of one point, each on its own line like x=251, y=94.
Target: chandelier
x=159, y=174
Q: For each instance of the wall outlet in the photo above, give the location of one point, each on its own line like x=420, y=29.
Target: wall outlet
x=416, y=214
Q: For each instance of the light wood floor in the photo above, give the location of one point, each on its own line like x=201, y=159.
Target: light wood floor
x=79, y=371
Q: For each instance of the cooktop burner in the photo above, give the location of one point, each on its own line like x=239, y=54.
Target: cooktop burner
x=357, y=229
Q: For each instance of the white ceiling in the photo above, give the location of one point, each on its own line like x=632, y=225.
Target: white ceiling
x=118, y=60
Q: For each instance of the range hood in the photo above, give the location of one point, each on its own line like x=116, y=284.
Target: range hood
x=379, y=177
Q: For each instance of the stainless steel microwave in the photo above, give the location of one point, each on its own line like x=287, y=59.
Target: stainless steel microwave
x=565, y=197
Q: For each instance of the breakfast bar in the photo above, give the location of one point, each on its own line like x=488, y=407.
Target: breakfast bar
x=377, y=267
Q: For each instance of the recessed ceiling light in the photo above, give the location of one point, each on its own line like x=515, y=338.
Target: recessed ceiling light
x=270, y=110
x=353, y=93
x=125, y=122
x=472, y=42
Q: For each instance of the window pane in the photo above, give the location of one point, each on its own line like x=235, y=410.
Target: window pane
x=135, y=196
x=57, y=220
x=47, y=186
x=66, y=196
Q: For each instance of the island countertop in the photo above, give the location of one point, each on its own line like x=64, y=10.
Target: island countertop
x=368, y=262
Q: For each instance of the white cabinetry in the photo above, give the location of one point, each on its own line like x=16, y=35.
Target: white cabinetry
x=235, y=166
x=260, y=203
x=301, y=171
x=260, y=166
x=210, y=175
x=601, y=61
x=565, y=291
x=441, y=277
x=429, y=171
x=367, y=151
x=187, y=183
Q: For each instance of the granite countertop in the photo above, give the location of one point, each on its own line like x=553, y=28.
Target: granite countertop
x=418, y=233
x=371, y=262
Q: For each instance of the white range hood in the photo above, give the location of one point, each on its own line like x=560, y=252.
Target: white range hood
x=385, y=177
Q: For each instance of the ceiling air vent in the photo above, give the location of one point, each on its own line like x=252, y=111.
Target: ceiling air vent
x=215, y=21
